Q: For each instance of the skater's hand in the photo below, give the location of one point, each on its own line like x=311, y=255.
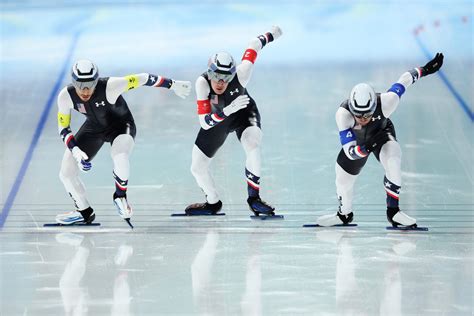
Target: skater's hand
x=377, y=140
x=276, y=32
x=81, y=159
x=181, y=88
x=433, y=65
x=239, y=103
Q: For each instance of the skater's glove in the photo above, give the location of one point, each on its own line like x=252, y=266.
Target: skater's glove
x=377, y=140
x=276, y=32
x=181, y=88
x=433, y=65
x=81, y=158
x=239, y=103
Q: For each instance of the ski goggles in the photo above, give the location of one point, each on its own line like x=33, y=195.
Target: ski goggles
x=363, y=116
x=81, y=85
x=219, y=76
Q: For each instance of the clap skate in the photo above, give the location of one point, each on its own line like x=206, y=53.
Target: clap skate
x=261, y=209
x=202, y=209
x=75, y=218
x=123, y=208
x=401, y=221
x=337, y=220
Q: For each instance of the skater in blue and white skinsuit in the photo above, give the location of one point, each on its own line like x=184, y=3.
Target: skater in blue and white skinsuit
x=364, y=128
x=225, y=106
x=108, y=119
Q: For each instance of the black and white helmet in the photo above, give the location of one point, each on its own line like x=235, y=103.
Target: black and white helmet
x=85, y=74
x=221, y=66
x=362, y=100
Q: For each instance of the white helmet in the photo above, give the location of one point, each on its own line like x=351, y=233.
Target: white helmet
x=362, y=100
x=221, y=66
x=85, y=74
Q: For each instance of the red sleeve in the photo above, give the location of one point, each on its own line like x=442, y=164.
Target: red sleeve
x=204, y=106
x=250, y=55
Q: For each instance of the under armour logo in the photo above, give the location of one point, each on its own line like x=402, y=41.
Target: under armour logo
x=101, y=103
x=234, y=91
x=376, y=118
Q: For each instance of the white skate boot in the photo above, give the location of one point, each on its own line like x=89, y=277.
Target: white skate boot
x=335, y=219
x=86, y=216
x=123, y=208
x=398, y=218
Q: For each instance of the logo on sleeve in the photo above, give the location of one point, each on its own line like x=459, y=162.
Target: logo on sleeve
x=234, y=91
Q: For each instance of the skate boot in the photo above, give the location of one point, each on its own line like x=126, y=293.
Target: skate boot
x=398, y=218
x=86, y=216
x=258, y=206
x=203, y=209
x=123, y=208
x=335, y=219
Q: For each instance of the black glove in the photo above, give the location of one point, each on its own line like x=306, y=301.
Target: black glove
x=376, y=141
x=433, y=65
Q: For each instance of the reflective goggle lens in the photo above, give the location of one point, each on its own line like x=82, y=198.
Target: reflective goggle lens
x=365, y=115
x=217, y=76
x=85, y=84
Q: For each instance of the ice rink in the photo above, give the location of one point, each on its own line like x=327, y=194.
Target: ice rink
x=232, y=265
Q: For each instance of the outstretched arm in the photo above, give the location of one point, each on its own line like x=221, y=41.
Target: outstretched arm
x=244, y=70
x=118, y=85
x=391, y=98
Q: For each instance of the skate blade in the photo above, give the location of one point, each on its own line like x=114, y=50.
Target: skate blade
x=128, y=222
x=404, y=228
x=70, y=225
x=337, y=225
x=266, y=217
x=196, y=214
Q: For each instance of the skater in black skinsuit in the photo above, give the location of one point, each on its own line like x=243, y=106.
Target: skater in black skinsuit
x=364, y=128
x=225, y=106
x=108, y=119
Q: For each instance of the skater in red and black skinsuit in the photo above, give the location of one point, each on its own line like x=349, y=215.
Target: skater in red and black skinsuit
x=225, y=106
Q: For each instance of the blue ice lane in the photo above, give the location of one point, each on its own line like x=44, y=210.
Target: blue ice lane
x=445, y=80
x=38, y=130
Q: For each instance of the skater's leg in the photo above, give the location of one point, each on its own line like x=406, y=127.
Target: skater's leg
x=122, y=147
x=251, y=140
x=69, y=175
x=345, y=189
x=201, y=172
x=390, y=158
x=347, y=171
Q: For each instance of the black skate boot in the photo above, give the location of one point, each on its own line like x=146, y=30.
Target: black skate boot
x=203, y=209
x=258, y=206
